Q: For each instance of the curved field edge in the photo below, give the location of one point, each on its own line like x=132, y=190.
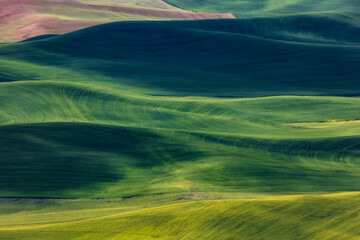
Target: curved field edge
x=21, y=20
x=290, y=217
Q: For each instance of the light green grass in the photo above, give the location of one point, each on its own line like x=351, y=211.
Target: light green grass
x=288, y=217
x=133, y=144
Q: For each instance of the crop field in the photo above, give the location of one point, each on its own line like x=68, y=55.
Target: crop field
x=245, y=128
x=291, y=217
x=24, y=19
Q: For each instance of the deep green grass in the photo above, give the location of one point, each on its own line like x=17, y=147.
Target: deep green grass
x=238, y=58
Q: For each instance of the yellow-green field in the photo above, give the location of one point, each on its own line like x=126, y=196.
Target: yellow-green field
x=332, y=216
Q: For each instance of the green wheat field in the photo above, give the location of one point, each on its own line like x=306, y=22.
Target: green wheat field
x=191, y=119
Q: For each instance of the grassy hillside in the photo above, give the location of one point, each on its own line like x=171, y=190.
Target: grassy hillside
x=289, y=217
x=134, y=144
x=116, y=98
x=246, y=8
x=21, y=20
x=181, y=129
x=236, y=58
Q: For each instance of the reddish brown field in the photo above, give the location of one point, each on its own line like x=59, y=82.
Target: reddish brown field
x=23, y=19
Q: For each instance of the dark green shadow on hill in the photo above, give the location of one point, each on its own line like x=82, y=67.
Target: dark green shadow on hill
x=297, y=55
x=52, y=158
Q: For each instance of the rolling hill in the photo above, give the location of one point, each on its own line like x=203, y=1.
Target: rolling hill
x=205, y=129
x=120, y=99
x=227, y=58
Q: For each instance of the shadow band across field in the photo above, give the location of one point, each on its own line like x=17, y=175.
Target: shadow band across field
x=310, y=54
x=58, y=159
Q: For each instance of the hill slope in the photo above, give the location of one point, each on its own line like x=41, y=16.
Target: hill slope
x=105, y=98
x=239, y=58
x=297, y=217
x=125, y=130
x=76, y=140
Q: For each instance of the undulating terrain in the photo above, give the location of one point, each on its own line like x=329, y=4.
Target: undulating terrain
x=245, y=128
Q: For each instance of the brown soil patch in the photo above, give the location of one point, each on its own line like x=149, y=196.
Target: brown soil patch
x=23, y=19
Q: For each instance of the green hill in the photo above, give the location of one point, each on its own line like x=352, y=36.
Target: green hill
x=184, y=129
x=237, y=58
x=101, y=112
x=74, y=140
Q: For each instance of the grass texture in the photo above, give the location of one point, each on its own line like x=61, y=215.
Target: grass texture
x=290, y=217
x=227, y=58
x=202, y=145
x=102, y=98
x=184, y=130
